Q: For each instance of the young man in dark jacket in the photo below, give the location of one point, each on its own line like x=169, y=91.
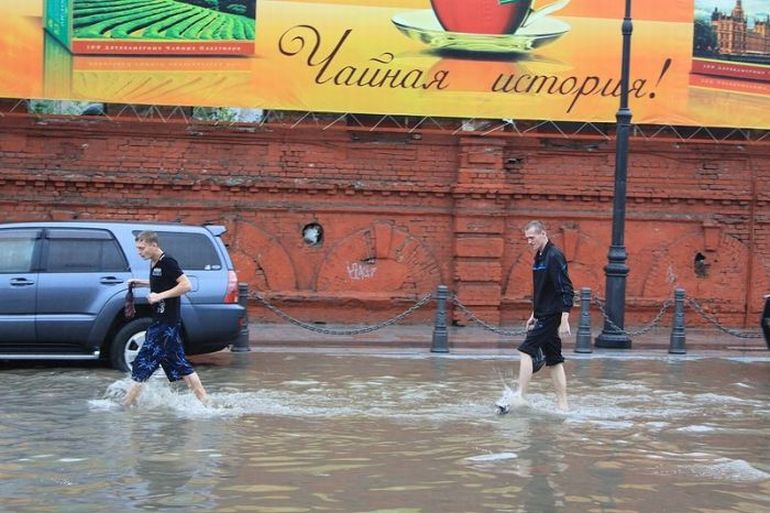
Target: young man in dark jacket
x=552, y=294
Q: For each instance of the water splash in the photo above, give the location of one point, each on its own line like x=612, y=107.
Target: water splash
x=322, y=400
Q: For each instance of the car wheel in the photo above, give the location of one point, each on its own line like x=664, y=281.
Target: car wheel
x=127, y=343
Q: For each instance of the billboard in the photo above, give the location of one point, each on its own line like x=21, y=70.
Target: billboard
x=693, y=62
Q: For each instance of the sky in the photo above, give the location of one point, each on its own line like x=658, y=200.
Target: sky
x=754, y=9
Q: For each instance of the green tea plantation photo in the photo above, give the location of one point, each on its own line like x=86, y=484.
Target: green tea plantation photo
x=164, y=19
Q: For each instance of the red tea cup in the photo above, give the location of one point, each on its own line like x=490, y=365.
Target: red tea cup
x=489, y=16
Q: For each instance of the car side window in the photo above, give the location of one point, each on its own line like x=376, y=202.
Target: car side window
x=193, y=251
x=17, y=248
x=83, y=251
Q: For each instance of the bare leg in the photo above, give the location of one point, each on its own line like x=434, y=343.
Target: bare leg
x=133, y=393
x=194, y=384
x=525, y=373
x=559, y=379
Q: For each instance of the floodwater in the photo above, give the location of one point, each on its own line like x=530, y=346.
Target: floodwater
x=390, y=432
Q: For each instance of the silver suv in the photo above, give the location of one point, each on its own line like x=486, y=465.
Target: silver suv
x=63, y=284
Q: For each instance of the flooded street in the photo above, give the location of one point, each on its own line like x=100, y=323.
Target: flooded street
x=390, y=432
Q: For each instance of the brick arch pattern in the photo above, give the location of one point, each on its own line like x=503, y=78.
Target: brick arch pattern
x=261, y=260
x=583, y=254
x=656, y=269
x=379, y=259
x=723, y=275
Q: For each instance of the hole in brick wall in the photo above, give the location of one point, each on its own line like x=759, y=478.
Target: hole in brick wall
x=700, y=266
x=313, y=234
x=514, y=163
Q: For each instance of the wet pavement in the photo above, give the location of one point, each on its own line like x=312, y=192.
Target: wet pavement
x=391, y=430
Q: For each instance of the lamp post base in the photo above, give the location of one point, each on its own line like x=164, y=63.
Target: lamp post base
x=613, y=341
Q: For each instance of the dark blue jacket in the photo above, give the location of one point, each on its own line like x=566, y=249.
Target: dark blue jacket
x=552, y=290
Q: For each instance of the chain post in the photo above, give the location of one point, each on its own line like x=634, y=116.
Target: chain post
x=677, y=342
x=241, y=344
x=765, y=321
x=583, y=338
x=440, y=343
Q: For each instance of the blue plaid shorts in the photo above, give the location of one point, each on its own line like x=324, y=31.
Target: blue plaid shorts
x=162, y=348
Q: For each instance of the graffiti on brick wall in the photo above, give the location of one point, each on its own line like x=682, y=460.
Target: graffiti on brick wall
x=382, y=258
x=359, y=271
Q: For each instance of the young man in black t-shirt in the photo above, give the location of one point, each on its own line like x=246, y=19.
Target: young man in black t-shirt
x=162, y=343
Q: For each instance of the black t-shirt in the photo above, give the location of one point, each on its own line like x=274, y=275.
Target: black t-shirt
x=163, y=276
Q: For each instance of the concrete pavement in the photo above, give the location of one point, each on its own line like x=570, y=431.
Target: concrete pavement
x=420, y=337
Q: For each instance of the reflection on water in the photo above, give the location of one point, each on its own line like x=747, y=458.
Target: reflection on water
x=301, y=432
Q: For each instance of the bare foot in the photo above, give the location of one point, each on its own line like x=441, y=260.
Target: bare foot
x=202, y=396
x=132, y=395
x=519, y=402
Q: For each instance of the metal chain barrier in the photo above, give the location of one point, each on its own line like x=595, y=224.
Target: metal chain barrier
x=710, y=318
x=599, y=302
x=473, y=317
x=353, y=331
x=596, y=300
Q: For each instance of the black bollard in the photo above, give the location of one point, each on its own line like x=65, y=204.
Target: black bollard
x=241, y=344
x=440, y=342
x=765, y=321
x=583, y=338
x=676, y=345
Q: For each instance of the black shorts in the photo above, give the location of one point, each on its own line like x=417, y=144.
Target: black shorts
x=545, y=335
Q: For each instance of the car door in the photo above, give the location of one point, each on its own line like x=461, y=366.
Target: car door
x=18, y=287
x=81, y=269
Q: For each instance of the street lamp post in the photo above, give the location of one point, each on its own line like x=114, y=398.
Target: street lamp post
x=613, y=334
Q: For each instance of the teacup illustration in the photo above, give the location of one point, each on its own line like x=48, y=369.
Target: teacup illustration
x=490, y=16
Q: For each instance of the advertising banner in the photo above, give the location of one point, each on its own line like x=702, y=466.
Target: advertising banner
x=693, y=62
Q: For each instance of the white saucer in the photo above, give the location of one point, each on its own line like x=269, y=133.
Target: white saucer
x=423, y=26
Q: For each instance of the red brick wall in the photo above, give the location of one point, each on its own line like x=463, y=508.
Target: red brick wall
x=403, y=214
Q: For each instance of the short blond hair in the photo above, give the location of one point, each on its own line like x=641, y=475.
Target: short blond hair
x=148, y=237
x=537, y=225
